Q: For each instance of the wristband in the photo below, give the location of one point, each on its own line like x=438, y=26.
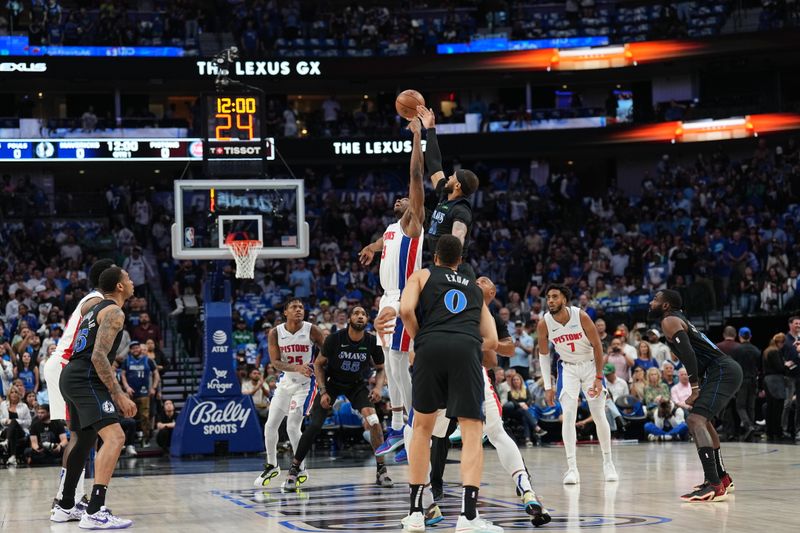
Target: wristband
x=322, y=390
x=598, y=377
x=695, y=387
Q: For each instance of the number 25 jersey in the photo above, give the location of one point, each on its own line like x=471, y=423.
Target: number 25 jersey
x=295, y=347
x=569, y=339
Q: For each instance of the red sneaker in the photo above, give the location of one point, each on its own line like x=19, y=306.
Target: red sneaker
x=727, y=482
x=706, y=493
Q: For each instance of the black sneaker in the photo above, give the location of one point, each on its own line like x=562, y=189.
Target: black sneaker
x=291, y=478
x=382, y=478
x=706, y=493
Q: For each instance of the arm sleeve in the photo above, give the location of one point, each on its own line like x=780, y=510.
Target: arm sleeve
x=502, y=330
x=683, y=349
x=546, y=364
x=433, y=156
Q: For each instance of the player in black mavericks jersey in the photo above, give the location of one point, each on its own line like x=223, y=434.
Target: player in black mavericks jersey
x=453, y=213
x=443, y=311
x=343, y=368
x=715, y=378
x=93, y=395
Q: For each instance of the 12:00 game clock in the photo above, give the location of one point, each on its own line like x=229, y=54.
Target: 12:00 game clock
x=234, y=139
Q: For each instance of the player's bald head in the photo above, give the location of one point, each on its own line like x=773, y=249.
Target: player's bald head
x=487, y=286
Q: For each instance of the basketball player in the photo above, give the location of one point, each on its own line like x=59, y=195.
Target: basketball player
x=402, y=256
x=720, y=376
x=91, y=390
x=507, y=450
x=454, y=325
x=580, y=368
x=290, y=352
x=453, y=214
x=342, y=368
x=56, y=363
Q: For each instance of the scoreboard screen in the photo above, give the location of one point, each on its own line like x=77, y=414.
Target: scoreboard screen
x=89, y=150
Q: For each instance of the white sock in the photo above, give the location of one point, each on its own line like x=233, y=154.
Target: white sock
x=568, y=431
x=397, y=420
x=61, y=477
x=598, y=409
x=522, y=481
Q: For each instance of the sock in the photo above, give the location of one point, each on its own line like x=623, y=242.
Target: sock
x=720, y=465
x=427, y=497
x=397, y=420
x=709, y=464
x=469, y=503
x=522, y=481
x=416, y=499
x=61, y=478
x=98, y=498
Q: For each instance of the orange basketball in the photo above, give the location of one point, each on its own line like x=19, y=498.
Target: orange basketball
x=407, y=102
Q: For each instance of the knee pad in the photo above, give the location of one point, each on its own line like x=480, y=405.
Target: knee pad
x=373, y=420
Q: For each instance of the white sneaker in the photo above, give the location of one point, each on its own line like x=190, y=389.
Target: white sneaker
x=12, y=461
x=302, y=476
x=477, y=524
x=270, y=472
x=456, y=435
x=103, y=519
x=652, y=438
x=572, y=477
x=57, y=514
x=414, y=522
x=130, y=450
x=609, y=472
x=667, y=438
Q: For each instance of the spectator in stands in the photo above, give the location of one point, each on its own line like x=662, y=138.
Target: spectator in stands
x=302, y=280
x=6, y=370
x=15, y=422
x=668, y=374
x=668, y=423
x=155, y=354
x=330, y=110
x=147, y=330
x=139, y=271
x=605, y=338
x=774, y=386
x=748, y=293
x=623, y=334
x=749, y=358
x=242, y=335
x=517, y=406
x=140, y=380
x=256, y=387
x=165, y=424
x=644, y=358
x=616, y=387
x=28, y=372
x=682, y=390
x=617, y=357
x=790, y=352
x=48, y=439
x=658, y=350
x=31, y=402
x=654, y=389
x=523, y=348
x=500, y=386
x=728, y=343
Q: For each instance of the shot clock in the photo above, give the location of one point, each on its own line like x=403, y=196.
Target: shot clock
x=235, y=144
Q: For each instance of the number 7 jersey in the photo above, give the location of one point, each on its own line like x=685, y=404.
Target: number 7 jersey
x=570, y=340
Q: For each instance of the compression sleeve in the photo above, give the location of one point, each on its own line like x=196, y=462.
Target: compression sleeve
x=546, y=365
x=433, y=156
x=683, y=349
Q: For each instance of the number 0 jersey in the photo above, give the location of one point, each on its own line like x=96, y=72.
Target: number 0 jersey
x=449, y=304
x=570, y=340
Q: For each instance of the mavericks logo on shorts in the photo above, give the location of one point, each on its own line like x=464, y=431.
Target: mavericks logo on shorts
x=108, y=407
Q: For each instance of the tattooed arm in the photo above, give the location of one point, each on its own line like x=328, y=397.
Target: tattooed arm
x=111, y=320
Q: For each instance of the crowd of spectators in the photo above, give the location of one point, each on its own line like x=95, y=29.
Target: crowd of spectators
x=394, y=28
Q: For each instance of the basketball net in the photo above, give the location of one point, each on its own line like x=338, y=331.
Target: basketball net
x=245, y=254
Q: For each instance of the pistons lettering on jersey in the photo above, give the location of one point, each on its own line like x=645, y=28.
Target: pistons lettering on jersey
x=388, y=236
x=295, y=348
x=569, y=337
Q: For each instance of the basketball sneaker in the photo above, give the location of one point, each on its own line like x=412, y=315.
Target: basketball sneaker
x=103, y=519
x=290, y=483
x=83, y=504
x=382, y=478
x=401, y=456
x=302, y=476
x=433, y=515
x=609, y=472
x=706, y=493
x=456, y=435
x=476, y=525
x=572, y=477
x=414, y=522
x=534, y=507
x=60, y=515
x=726, y=481
x=270, y=472
x=394, y=439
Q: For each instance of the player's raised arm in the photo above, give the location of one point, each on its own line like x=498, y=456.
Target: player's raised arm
x=367, y=254
x=414, y=217
x=433, y=156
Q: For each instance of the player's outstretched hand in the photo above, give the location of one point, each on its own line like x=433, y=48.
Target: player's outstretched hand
x=550, y=397
x=325, y=401
x=596, y=388
x=426, y=116
x=375, y=395
x=306, y=370
x=366, y=255
x=386, y=321
x=415, y=126
x=126, y=406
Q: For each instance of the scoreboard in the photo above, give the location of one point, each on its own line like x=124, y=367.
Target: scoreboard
x=234, y=139
x=82, y=150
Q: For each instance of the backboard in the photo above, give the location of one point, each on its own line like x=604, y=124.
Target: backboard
x=271, y=211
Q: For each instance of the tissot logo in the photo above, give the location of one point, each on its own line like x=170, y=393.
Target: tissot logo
x=23, y=67
x=236, y=150
x=263, y=68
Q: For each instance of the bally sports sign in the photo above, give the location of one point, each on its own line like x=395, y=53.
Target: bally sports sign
x=218, y=420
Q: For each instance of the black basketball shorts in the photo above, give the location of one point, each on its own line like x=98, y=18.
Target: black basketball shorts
x=87, y=398
x=720, y=385
x=448, y=375
x=357, y=393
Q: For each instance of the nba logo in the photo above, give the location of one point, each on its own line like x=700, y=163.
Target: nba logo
x=188, y=237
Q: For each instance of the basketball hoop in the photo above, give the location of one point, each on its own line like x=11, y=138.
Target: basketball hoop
x=245, y=253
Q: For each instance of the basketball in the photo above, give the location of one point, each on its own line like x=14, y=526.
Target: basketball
x=407, y=102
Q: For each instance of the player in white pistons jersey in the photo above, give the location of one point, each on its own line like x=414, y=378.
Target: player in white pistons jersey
x=290, y=351
x=59, y=359
x=401, y=256
x=580, y=368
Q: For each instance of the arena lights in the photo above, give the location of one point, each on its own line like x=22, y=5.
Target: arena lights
x=592, y=58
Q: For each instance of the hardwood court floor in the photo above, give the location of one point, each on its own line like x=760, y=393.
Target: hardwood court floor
x=217, y=495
